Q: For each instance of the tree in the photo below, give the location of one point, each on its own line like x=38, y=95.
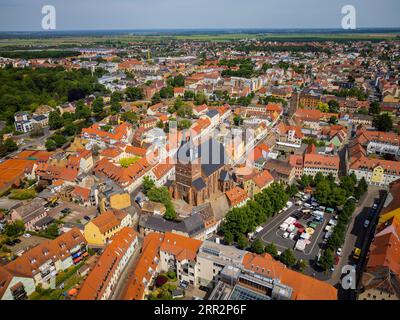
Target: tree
x=361, y=188
x=305, y=181
x=50, y=145
x=15, y=228
x=323, y=107
x=98, y=105
x=116, y=96
x=70, y=129
x=200, y=99
x=242, y=241
x=184, y=124
x=333, y=106
x=327, y=259
x=160, y=124
x=301, y=265
x=82, y=111
x=55, y=120
x=167, y=92
x=271, y=249
x=228, y=236
x=134, y=93
x=59, y=139
x=287, y=257
x=188, y=95
x=10, y=145
x=383, y=122
x=237, y=120
x=348, y=184
x=333, y=120
x=291, y=190
x=130, y=117
x=257, y=246
x=156, y=98
x=115, y=106
x=148, y=184
x=374, y=108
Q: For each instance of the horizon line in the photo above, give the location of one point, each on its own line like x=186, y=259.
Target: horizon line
x=276, y=29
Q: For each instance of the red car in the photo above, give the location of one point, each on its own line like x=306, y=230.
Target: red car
x=337, y=259
x=298, y=225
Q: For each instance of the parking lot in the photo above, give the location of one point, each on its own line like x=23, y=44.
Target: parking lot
x=76, y=212
x=25, y=244
x=306, y=226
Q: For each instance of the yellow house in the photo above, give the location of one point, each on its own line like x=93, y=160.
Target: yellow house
x=377, y=175
x=99, y=230
x=391, y=207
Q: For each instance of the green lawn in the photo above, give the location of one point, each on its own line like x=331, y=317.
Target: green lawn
x=126, y=162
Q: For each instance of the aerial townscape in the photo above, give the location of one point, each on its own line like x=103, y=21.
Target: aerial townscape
x=214, y=167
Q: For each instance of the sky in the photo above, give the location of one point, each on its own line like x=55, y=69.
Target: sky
x=25, y=15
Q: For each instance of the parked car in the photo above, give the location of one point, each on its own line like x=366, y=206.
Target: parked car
x=339, y=252
x=87, y=218
x=17, y=241
x=286, y=235
x=27, y=235
x=366, y=223
x=66, y=210
x=183, y=284
x=375, y=206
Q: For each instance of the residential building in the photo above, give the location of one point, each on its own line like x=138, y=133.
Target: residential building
x=179, y=253
x=258, y=183
x=381, y=279
x=43, y=262
x=237, y=197
x=101, y=229
x=102, y=279
x=30, y=213
x=15, y=287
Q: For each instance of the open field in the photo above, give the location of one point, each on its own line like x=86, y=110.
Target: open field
x=57, y=41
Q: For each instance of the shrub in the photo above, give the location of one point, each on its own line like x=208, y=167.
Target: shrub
x=160, y=281
x=22, y=194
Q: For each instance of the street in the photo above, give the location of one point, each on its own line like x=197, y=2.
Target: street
x=126, y=274
x=355, y=236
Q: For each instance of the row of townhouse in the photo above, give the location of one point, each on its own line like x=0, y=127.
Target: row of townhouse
x=101, y=135
x=41, y=264
x=376, y=172
x=312, y=163
x=103, y=278
x=378, y=142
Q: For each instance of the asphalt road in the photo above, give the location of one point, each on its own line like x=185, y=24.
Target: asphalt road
x=126, y=274
x=355, y=237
